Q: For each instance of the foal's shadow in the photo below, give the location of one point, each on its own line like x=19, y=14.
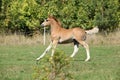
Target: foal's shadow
x=37, y=62
x=78, y=59
x=72, y=59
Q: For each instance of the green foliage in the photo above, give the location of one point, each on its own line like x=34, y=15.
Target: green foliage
x=107, y=17
x=26, y=16
x=55, y=68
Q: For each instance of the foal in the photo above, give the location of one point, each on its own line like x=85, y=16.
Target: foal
x=61, y=35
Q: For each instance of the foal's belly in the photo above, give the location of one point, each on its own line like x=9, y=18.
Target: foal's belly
x=61, y=41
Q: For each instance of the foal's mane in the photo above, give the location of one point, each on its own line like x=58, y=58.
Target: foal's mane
x=55, y=19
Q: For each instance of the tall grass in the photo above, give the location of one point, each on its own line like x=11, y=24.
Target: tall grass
x=14, y=39
x=110, y=39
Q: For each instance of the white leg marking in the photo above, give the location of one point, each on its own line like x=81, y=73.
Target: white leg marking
x=53, y=49
x=47, y=49
x=88, y=55
x=75, y=50
x=87, y=51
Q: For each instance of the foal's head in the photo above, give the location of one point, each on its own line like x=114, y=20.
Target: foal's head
x=50, y=20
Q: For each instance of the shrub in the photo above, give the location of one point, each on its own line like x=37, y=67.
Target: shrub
x=55, y=68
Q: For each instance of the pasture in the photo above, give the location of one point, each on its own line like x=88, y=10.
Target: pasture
x=18, y=62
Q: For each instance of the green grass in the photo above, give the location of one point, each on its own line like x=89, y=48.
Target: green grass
x=18, y=62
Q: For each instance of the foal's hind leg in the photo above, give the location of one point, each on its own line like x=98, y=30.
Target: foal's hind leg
x=76, y=47
x=85, y=45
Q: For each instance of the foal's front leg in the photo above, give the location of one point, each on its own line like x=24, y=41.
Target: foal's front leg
x=53, y=47
x=47, y=49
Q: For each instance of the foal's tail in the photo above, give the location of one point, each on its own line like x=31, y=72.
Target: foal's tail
x=92, y=31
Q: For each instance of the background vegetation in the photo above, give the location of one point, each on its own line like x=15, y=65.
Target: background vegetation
x=18, y=52
x=26, y=15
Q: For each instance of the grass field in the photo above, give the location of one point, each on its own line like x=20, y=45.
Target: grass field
x=18, y=62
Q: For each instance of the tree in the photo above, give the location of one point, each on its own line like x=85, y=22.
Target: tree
x=25, y=16
x=106, y=16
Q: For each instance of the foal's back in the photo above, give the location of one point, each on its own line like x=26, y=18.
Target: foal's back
x=75, y=33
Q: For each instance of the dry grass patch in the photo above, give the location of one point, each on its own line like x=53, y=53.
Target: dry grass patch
x=21, y=39
x=112, y=38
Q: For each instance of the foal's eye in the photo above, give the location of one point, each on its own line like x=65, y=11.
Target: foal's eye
x=47, y=20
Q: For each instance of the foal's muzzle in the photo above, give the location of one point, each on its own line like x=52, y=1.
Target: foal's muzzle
x=42, y=25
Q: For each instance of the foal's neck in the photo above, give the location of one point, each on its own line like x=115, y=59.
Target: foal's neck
x=55, y=27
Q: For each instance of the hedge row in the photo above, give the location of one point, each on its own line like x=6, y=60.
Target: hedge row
x=26, y=15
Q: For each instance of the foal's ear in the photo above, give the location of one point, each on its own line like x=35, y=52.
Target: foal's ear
x=50, y=16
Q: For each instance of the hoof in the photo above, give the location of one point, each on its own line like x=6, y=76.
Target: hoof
x=38, y=59
x=87, y=60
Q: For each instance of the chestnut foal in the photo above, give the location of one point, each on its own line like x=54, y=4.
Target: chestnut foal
x=61, y=35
